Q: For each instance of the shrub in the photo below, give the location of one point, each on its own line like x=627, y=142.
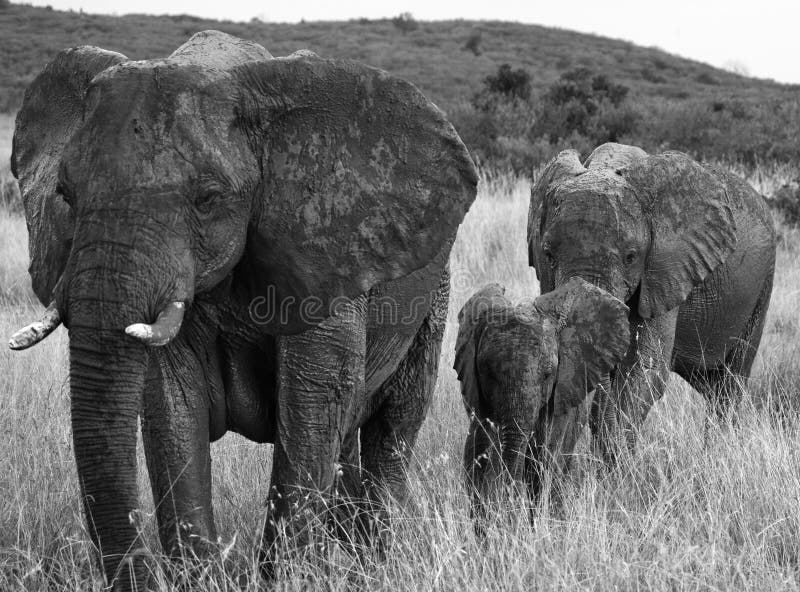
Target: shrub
x=588, y=104
x=473, y=42
x=509, y=84
x=787, y=201
x=405, y=22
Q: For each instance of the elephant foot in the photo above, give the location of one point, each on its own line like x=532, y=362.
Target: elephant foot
x=296, y=524
x=134, y=573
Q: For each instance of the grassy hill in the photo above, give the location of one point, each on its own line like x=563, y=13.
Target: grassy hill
x=433, y=56
x=671, y=102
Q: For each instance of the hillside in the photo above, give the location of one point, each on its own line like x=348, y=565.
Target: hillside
x=433, y=56
x=666, y=102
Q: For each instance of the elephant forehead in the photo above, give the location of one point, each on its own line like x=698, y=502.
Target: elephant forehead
x=141, y=131
x=598, y=201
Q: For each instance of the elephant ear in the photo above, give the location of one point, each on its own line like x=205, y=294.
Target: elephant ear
x=693, y=228
x=472, y=320
x=617, y=157
x=364, y=179
x=563, y=167
x=593, y=337
x=51, y=111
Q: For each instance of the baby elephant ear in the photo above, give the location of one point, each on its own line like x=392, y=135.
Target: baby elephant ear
x=593, y=337
x=364, y=179
x=563, y=167
x=693, y=228
x=51, y=111
x=472, y=321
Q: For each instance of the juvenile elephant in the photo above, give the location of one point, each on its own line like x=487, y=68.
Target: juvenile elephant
x=237, y=242
x=689, y=248
x=525, y=372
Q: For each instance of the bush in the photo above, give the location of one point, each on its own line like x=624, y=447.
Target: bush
x=473, y=42
x=591, y=105
x=787, y=201
x=509, y=84
x=405, y=22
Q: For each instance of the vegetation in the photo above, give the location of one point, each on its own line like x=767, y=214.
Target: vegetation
x=670, y=102
x=693, y=510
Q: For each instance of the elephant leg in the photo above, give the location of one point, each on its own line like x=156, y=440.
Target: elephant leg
x=320, y=386
x=388, y=436
x=175, y=430
x=722, y=386
x=619, y=409
x=348, y=508
x=481, y=468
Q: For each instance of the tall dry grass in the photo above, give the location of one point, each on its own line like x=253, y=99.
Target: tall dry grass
x=691, y=510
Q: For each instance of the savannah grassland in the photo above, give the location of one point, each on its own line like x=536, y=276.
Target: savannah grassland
x=690, y=510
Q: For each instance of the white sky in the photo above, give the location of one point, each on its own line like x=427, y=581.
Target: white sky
x=759, y=37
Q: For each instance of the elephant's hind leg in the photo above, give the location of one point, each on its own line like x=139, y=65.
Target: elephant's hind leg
x=387, y=438
x=722, y=386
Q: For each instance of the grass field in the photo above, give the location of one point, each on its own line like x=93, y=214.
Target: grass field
x=690, y=511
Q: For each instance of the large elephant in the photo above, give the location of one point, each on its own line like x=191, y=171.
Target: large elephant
x=281, y=228
x=525, y=372
x=689, y=248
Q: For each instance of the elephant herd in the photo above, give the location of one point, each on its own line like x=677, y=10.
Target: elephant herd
x=238, y=242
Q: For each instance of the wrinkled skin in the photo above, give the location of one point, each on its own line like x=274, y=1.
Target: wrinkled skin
x=283, y=226
x=689, y=248
x=525, y=373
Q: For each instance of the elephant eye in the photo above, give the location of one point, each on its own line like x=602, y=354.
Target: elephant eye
x=206, y=193
x=548, y=255
x=630, y=257
x=64, y=193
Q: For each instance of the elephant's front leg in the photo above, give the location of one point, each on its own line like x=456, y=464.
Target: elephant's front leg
x=175, y=430
x=620, y=408
x=481, y=468
x=388, y=437
x=320, y=387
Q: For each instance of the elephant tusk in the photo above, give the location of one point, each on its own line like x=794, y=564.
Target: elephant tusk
x=36, y=331
x=166, y=327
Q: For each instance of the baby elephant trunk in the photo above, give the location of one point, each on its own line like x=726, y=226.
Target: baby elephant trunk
x=514, y=443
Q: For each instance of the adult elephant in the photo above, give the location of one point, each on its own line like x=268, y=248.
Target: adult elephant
x=689, y=248
x=280, y=227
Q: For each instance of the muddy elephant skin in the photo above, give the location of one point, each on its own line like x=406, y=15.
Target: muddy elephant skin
x=237, y=242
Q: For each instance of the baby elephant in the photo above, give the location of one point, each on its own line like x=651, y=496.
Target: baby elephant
x=525, y=371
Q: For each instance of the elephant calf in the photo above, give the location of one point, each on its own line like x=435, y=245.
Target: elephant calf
x=525, y=371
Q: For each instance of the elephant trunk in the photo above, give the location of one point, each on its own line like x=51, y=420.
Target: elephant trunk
x=514, y=445
x=107, y=372
x=606, y=423
x=105, y=291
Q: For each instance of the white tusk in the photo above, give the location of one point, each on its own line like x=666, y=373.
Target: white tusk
x=166, y=327
x=36, y=331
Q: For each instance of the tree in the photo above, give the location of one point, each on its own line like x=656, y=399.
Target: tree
x=405, y=22
x=473, y=42
x=586, y=103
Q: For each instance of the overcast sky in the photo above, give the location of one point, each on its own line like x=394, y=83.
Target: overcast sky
x=758, y=37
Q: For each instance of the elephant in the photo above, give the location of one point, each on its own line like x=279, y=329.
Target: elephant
x=688, y=247
x=525, y=372
x=237, y=242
